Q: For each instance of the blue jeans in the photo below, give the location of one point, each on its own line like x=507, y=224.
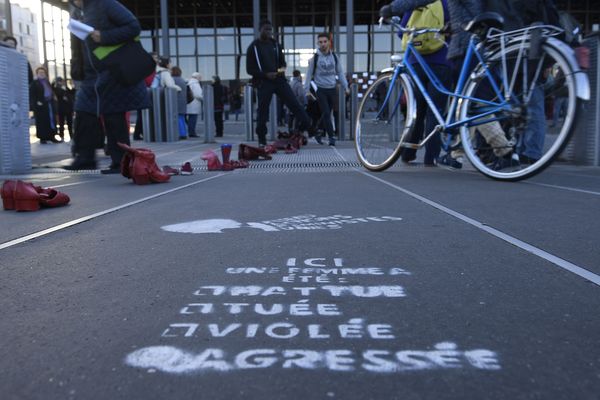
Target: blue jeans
x=182, y=126
x=192, y=120
x=560, y=103
x=532, y=143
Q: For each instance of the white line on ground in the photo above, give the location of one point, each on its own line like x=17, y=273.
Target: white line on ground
x=564, y=188
x=98, y=214
x=559, y=262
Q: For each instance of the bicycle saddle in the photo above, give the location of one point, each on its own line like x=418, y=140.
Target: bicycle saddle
x=484, y=21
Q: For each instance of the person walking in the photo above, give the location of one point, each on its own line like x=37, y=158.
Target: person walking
x=101, y=101
x=181, y=101
x=298, y=90
x=326, y=71
x=41, y=98
x=461, y=12
x=266, y=64
x=235, y=98
x=218, y=103
x=195, y=107
x=65, y=99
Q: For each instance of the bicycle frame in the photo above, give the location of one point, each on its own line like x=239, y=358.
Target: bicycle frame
x=449, y=123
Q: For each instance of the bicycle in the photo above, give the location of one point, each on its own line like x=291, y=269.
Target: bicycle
x=511, y=68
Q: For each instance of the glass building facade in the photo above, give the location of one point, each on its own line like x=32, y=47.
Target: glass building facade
x=212, y=36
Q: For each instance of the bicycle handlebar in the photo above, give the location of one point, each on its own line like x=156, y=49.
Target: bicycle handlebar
x=395, y=22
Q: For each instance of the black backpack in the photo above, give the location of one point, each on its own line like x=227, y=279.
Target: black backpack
x=189, y=94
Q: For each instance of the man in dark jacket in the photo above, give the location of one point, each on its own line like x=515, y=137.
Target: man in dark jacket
x=266, y=63
x=101, y=101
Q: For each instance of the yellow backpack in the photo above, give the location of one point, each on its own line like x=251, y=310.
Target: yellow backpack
x=429, y=16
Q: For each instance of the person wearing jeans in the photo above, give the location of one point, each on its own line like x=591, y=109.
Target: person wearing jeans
x=325, y=71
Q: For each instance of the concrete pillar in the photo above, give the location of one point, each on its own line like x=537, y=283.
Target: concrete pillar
x=256, y=16
x=350, y=36
x=164, y=24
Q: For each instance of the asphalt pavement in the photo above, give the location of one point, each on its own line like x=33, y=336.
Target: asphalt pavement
x=303, y=277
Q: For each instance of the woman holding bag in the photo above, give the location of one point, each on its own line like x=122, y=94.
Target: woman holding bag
x=102, y=101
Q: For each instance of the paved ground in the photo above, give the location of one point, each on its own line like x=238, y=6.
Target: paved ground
x=302, y=277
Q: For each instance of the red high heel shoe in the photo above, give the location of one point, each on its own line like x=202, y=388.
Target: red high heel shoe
x=8, y=195
x=51, y=197
x=26, y=198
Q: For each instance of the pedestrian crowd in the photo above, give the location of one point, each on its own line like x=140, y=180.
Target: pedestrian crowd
x=94, y=107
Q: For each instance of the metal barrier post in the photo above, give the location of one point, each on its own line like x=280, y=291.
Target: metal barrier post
x=157, y=114
x=248, y=113
x=209, y=114
x=353, y=109
x=171, y=133
x=341, y=121
x=273, y=118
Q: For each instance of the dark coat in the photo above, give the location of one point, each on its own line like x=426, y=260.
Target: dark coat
x=116, y=25
x=65, y=98
x=42, y=110
x=461, y=12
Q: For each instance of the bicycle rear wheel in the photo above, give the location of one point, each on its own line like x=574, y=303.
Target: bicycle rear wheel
x=382, y=126
x=522, y=140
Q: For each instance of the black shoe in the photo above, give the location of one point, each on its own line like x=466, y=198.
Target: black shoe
x=110, y=170
x=43, y=141
x=137, y=137
x=508, y=161
x=528, y=160
x=80, y=164
x=194, y=136
x=448, y=161
x=332, y=141
x=318, y=138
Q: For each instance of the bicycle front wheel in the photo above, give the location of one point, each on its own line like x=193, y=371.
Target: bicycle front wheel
x=385, y=118
x=524, y=138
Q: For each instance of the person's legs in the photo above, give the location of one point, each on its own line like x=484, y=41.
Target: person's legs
x=264, y=95
x=116, y=132
x=284, y=91
x=69, y=120
x=434, y=144
x=535, y=130
x=324, y=97
x=138, y=131
x=219, y=123
x=86, y=135
x=192, y=121
x=61, y=125
x=182, y=126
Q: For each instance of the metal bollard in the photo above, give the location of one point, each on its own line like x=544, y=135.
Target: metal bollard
x=209, y=114
x=157, y=114
x=353, y=109
x=171, y=133
x=341, y=122
x=248, y=113
x=273, y=118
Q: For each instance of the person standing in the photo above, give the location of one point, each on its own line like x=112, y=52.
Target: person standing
x=181, y=101
x=41, y=98
x=326, y=71
x=65, y=98
x=218, y=95
x=266, y=64
x=101, y=101
x=298, y=90
x=195, y=107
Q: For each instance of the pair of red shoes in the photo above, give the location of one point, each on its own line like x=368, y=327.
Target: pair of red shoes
x=140, y=166
x=24, y=196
